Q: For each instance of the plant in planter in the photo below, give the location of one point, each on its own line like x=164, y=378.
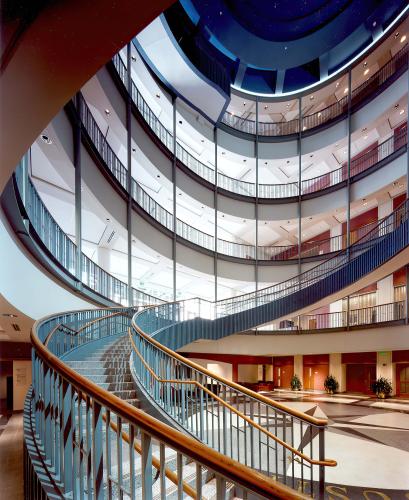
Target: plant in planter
x=295, y=383
x=331, y=384
x=382, y=388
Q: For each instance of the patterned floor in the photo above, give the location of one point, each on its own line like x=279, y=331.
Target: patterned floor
x=369, y=439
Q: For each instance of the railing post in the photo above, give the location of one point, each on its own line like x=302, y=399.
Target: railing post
x=321, y=486
x=146, y=457
x=66, y=434
x=129, y=172
x=97, y=451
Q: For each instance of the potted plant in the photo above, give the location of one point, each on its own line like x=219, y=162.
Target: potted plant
x=295, y=383
x=382, y=388
x=331, y=384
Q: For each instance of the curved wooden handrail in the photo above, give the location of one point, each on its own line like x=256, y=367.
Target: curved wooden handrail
x=328, y=463
x=318, y=422
x=227, y=467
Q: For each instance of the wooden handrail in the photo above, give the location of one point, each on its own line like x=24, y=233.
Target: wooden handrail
x=206, y=456
x=318, y=422
x=327, y=463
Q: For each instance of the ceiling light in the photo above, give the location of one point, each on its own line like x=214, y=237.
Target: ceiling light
x=288, y=161
x=180, y=194
x=158, y=96
x=311, y=156
x=265, y=163
x=46, y=139
x=180, y=122
x=133, y=58
x=9, y=315
x=397, y=34
x=107, y=112
x=304, y=128
x=374, y=24
x=311, y=97
x=244, y=103
x=202, y=140
x=223, y=153
x=364, y=129
x=365, y=64
x=288, y=104
x=134, y=149
x=244, y=160
x=319, y=114
x=365, y=137
x=107, y=219
x=337, y=85
x=345, y=90
x=158, y=176
x=403, y=38
x=265, y=107
x=366, y=71
x=401, y=111
x=396, y=106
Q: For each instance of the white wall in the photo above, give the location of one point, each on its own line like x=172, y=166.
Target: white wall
x=385, y=368
x=337, y=370
x=21, y=383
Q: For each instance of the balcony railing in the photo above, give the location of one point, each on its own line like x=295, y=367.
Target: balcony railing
x=205, y=240
x=274, y=129
x=81, y=441
x=269, y=191
x=64, y=251
x=382, y=313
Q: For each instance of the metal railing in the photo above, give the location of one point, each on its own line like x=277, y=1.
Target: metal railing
x=245, y=426
x=64, y=250
x=397, y=63
x=372, y=315
x=205, y=240
x=219, y=412
x=270, y=191
x=84, y=442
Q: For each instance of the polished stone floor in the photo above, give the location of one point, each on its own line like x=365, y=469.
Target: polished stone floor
x=11, y=457
x=369, y=438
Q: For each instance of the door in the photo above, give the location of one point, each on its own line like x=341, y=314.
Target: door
x=283, y=375
x=314, y=376
x=359, y=377
x=402, y=379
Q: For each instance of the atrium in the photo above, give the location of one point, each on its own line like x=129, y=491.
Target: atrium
x=204, y=239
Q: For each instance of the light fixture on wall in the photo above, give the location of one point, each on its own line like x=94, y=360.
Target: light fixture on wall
x=46, y=139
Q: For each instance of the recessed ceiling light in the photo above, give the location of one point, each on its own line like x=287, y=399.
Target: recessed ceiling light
x=265, y=107
x=285, y=47
x=365, y=64
x=107, y=219
x=374, y=24
x=311, y=156
x=244, y=160
x=202, y=140
x=345, y=90
x=180, y=122
x=401, y=111
x=288, y=161
x=265, y=163
x=46, y=139
x=403, y=38
x=158, y=176
x=337, y=85
x=288, y=104
x=319, y=114
x=397, y=34
x=222, y=215
x=133, y=58
x=304, y=128
x=365, y=137
x=244, y=103
x=366, y=71
x=158, y=96
x=223, y=153
x=180, y=194
x=107, y=112
x=396, y=106
x=311, y=97
x=134, y=149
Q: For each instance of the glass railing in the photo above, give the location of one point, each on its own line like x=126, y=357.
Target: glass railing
x=82, y=441
x=383, y=313
x=269, y=191
x=64, y=250
x=205, y=240
x=374, y=83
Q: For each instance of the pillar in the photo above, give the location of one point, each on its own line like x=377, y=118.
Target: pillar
x=385, y=368
x=337, y=369
x=299, y=367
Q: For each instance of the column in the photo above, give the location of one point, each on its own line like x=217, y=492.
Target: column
x=256, y=204
x=215, y=217
x=338, y=370
x=299, y=213
x=299, y=367
x=174, y=197
x=385, y=368
x=78, y=196
x=129, y=172
x=336, y=238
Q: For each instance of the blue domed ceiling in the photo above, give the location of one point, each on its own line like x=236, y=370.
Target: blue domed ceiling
x=277, y=46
